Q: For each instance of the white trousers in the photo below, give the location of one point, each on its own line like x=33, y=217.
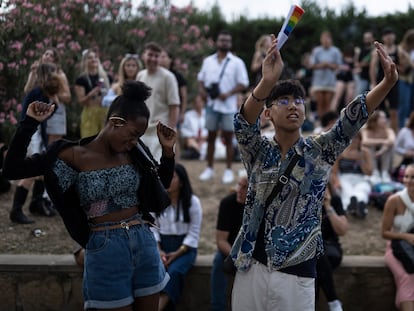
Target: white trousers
x=356, y=185
x=261, y=290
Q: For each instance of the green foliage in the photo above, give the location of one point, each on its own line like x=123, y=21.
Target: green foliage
x=27, y=28
x=115, y=27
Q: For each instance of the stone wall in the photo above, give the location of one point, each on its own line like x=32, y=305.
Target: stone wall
x=54, y=282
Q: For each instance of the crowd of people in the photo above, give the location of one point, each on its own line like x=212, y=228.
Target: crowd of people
x=283, y=238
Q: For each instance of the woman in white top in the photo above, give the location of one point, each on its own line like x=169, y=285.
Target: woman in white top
x=178, y=235
x=193, y=131
x=398, y=223
x=379, y=137
x=128, y=70
x=404, y=147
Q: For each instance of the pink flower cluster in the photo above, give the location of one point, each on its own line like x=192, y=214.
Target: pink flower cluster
x=8, y=111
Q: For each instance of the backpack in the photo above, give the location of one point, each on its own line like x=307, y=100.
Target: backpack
x=381, y=191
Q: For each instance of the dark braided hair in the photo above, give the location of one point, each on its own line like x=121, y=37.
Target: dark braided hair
x=131, y=103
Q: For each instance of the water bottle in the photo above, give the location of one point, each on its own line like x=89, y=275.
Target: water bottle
x=101, y=85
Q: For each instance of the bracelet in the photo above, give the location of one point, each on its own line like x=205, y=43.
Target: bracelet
x=256, y=98
x=183, y=248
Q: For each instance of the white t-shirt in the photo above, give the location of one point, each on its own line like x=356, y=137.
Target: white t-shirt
x=164, y=93
x=194, y=124
x=235, y=73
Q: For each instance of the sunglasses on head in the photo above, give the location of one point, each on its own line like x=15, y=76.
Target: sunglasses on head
x=117, y=121
x=128, y=55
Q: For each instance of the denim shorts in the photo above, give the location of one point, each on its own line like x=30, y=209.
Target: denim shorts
x=219, y=121
x=121, y=264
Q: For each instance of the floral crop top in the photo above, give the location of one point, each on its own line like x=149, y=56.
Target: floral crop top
x=101, y=191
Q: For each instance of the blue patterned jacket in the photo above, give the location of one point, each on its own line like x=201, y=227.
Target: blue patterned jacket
x=293, y=219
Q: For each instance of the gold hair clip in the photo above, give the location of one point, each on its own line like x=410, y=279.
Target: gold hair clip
x=118, y=121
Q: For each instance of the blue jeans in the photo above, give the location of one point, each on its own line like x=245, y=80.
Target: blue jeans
x=120, y=265
x=404, y=102
x=362, y=86
x=219, y=282
x=179, y=268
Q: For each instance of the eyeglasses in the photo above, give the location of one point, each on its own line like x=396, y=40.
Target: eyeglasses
x=136, y=56
x=286, y=101
x=118, y=121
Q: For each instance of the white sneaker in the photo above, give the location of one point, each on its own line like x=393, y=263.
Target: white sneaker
x=375, y=177
x=385, y=176
x=335, y=305
x=207, y=174
x=228, y=176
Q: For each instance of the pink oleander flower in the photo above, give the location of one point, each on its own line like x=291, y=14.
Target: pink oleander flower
x=38, y=8
x=75, y=46
x=17, y=45
x=67, y=16
x=173, y=38
x=12, y=118
x=188, y=47
x=194, y=30
x=106, y=64
x=184, y=66
x=189, y=9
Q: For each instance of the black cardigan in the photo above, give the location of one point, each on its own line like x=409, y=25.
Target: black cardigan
x=18, y=166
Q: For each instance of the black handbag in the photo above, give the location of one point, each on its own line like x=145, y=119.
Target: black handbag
x=404, y=252
x=152, y=193
x=228, y=263
x=214, y=89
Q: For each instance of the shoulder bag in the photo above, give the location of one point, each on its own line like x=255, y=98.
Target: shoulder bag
x=152, y=194
x=214, y=89
x=404, y=252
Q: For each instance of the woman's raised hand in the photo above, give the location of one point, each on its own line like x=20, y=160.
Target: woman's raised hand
x=40, y=111
x=166, y=135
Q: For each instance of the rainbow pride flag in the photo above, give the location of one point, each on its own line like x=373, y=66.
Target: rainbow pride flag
x=292, y=19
